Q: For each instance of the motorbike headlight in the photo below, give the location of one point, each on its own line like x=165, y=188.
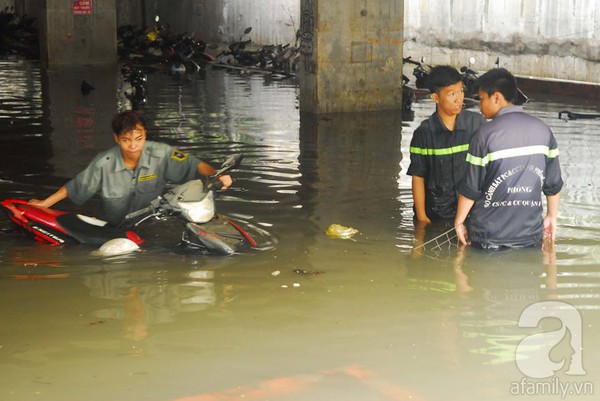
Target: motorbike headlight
x=199, y=212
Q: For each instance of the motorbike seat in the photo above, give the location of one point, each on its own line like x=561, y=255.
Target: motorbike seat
x=88, y=233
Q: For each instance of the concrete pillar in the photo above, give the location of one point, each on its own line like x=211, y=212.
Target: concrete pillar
x=78, y=32
x=80, y=122
x=351, y=55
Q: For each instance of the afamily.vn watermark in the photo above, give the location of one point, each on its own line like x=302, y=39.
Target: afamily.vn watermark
x=552, y=387
x=541, y=357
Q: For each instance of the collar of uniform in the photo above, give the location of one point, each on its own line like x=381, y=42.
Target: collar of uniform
x=119, y=163
x=460, y=123
x=145, y=156
x=509, y=109
x=143, y=162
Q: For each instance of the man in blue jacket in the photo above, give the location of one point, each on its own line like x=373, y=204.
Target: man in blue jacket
x=511, y=161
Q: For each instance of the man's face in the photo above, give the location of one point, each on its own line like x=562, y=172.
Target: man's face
x=450, y=99
x=489, y=104
x=132, y=142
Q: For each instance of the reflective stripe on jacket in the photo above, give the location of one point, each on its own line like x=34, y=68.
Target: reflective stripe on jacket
x=511, y=161
x=438, y=155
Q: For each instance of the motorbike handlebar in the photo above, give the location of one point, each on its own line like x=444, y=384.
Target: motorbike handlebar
x=138, y=213
x=150, y=209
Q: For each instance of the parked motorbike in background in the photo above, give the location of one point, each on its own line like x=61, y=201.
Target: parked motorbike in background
x=470, y=77
x=408, y=93
x=237, y=53
x=134, y=85
x=159, y=48
x=18, y=34
x=420, y=72
x=275, y=60
x=469, y=80
x=281, y=59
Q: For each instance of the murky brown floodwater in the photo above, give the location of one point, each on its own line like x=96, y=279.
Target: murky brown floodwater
x=376, y=323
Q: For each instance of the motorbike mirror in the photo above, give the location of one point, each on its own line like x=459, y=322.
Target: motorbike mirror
x=232, y=162
x=247, y=30
x=472, y=60
x=156, y=19
x=497, y=63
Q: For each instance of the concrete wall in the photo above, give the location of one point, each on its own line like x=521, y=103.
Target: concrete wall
x=540, y=38
x=6, y=3
x=68, y=39
x=132, y=12
x=221, y=21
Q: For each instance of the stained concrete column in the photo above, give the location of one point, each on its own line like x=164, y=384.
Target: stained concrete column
x=351, y=55
x=78, y=32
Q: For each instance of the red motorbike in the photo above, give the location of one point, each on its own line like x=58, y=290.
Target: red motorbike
x=185, y=216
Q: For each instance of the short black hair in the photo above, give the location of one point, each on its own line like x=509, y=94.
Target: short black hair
x=127, y=121
x=442, y=76
x=499, y=80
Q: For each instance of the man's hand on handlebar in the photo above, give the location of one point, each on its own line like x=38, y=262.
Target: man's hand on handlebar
x=226, y=181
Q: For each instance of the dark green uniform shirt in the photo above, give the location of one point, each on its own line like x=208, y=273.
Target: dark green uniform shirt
x=124, y=190
x=439, y=156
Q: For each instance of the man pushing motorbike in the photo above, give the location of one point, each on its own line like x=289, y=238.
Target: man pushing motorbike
x=132, y=174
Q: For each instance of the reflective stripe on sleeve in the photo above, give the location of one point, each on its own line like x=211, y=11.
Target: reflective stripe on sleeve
x=514, y=152
x=439, y=152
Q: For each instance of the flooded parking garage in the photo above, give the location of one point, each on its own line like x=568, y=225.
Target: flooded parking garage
x=306, y=316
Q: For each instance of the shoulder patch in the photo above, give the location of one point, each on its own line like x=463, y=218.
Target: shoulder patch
x=178, y=155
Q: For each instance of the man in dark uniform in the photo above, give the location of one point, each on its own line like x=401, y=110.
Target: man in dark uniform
x=439, y=147
x=511, y=161
x=132, y=174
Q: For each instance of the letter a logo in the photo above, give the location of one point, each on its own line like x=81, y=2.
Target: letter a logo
x=533, y=352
